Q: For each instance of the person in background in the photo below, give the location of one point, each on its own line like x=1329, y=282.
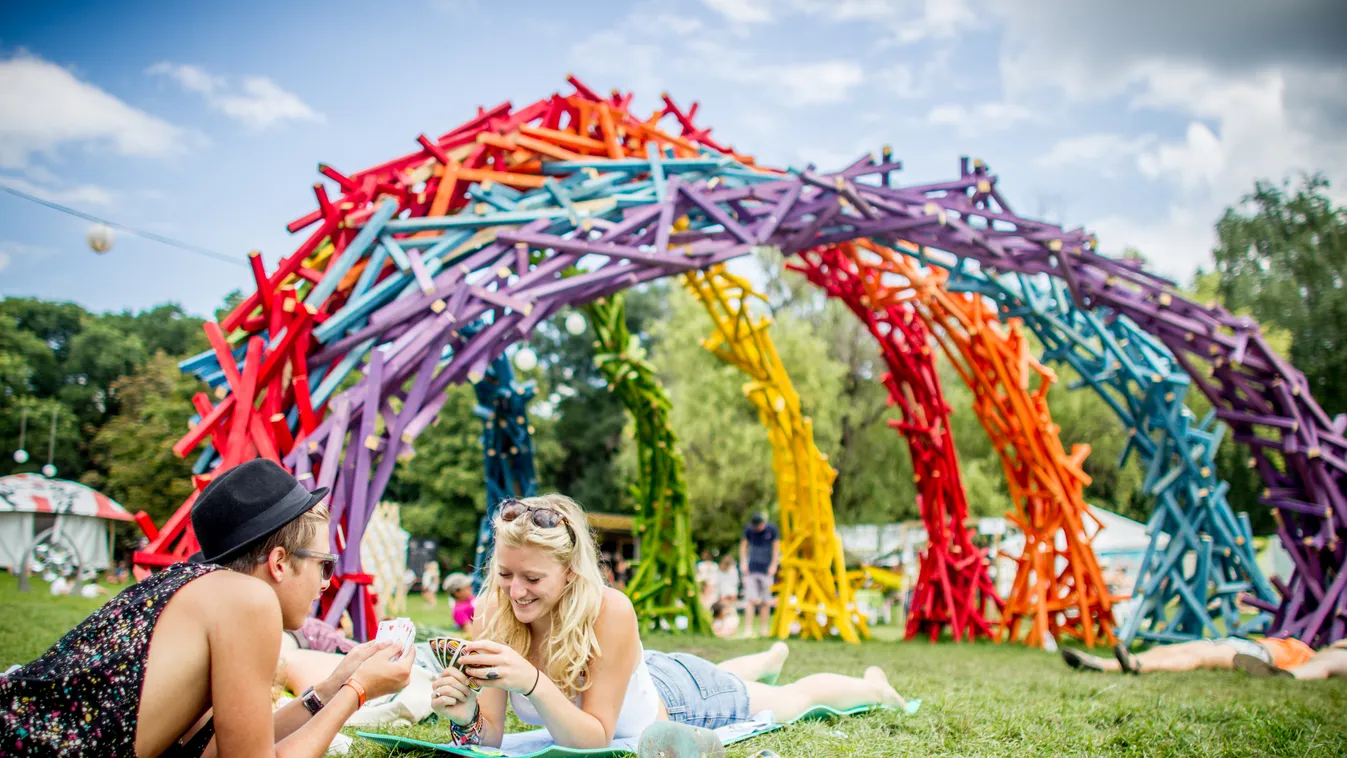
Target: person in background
x=759, y=557
x=61, y=586
x=430, y=582
x=725, y=619
x=727, y=582
x=706, y=578
x=1328, y=663
x=459, y=588
x=1217, y=653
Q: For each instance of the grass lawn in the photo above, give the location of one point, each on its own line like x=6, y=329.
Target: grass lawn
x=977, y=700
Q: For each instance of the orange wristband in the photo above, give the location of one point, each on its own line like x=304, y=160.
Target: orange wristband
x=357, y=688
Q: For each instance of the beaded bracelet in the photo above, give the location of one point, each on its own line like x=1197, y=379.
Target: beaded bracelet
x=469, y=733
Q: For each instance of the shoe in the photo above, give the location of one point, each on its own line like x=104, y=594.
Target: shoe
x=1254, y=666
x=1081, y=661
x=1129, y=662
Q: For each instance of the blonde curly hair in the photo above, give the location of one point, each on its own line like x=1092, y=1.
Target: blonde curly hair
x=573, y=643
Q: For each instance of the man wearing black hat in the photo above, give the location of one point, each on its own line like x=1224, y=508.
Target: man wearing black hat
x=198, y=643
x=759, y=556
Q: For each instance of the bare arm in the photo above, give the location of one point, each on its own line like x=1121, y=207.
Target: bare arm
x=590, y=725
x=743, y=555
x=776, y=557
x=593, y=723
x=244, y=647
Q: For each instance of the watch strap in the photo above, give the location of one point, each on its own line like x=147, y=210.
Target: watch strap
x=311, y=701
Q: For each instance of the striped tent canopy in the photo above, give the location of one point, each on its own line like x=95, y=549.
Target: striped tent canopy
x=34, y=493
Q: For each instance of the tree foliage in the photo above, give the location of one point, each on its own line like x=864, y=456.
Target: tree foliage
x=1283, y=256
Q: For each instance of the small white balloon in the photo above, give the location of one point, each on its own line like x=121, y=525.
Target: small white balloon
x=576, y=323
x=49, y=471
x=100, y=238
x=20, y=456
x=681, y=623
x=525, y=359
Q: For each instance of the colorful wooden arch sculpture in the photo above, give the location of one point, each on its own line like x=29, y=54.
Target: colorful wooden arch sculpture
x=813, y=591
x=507, y=450
x=663, y=586
x=1200, y=559
x=465, y=230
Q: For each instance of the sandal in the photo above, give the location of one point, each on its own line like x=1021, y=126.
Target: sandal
x=1129, y=662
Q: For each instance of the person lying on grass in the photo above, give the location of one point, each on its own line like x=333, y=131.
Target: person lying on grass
x=182, y=663
x=1191, y=656
x=565, y=651
x=1328, y=663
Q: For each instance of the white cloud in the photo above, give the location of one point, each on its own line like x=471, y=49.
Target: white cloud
x=642, y=53
x=46, y=107
x=258, y=103
x=808, y=83
x=1256, y=89
x=1174, y=244
x=12, y=252
x=1102, y=151
x=984, y=117
x=904, y=21
x=84, y=194
x=741, y=11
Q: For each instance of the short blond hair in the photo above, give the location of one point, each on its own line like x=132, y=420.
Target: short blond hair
x=295, y=535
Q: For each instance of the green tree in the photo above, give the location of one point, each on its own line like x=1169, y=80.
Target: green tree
x=132, y=454
x=1283, y=255
x=589, y=461
x=440, y=486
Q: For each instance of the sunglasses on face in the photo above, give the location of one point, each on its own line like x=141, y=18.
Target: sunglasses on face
x=327, y=562
x=543, y=517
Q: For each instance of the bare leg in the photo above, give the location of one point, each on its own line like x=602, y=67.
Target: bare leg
x=1184, y=656
x=750, y=610
x=1188, y=656
x=765, y=613
x=833, y=690
x=758, y=666
x=1326, y=664
x=306, y=668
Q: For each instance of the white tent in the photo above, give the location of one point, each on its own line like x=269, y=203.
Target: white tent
x=30, y=503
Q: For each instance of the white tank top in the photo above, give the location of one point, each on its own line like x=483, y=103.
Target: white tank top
x=640, y=707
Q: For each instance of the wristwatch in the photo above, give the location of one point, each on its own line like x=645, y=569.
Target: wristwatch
x=311, y=701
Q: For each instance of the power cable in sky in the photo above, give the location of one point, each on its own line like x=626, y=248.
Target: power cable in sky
x=236, y=260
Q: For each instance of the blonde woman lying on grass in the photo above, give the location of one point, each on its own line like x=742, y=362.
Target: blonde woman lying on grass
x=565, y=651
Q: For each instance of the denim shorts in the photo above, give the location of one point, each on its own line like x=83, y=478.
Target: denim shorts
x=696, y=692
x=1247, y=647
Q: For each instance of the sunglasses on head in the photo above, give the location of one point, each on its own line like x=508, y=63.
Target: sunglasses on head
x=543, y=517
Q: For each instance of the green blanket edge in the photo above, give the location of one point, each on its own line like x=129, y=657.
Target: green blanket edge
x=815, y=713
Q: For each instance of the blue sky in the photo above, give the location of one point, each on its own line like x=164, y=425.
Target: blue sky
x=205, y=122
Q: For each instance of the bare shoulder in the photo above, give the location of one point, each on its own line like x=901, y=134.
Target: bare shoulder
x=233, y=598
x=616, y=611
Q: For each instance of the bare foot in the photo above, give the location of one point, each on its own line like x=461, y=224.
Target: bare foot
x=779, y=652
x=876, y=676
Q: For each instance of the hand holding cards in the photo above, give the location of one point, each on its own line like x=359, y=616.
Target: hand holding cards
x=446, y=651
x=399, y=631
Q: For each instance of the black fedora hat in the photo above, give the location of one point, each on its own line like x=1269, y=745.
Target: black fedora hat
x=246, y=504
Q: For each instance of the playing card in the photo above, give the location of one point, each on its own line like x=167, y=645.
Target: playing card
x=447, y=651
x=400, y=632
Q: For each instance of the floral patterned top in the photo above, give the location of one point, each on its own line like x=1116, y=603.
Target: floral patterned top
x=82, y=696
